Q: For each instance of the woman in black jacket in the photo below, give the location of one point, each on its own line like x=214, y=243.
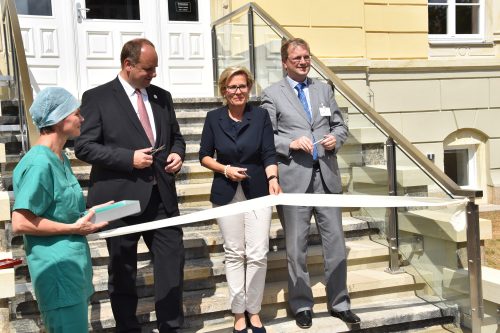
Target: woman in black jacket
x=241, y=136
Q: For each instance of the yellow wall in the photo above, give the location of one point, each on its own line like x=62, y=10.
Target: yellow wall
x=373, y=29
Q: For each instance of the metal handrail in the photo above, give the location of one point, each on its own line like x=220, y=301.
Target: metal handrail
x=25, y=98
x=408, y=148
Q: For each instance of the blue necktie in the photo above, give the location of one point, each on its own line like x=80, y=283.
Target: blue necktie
x=300, y=89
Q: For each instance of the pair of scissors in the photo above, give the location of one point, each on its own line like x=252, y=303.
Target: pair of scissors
x=156, y=150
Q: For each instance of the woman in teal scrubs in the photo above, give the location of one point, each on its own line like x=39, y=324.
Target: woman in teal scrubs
x=49, y=211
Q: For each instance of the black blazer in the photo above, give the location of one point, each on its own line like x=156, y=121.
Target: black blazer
x=110, y=134
x=251, y=148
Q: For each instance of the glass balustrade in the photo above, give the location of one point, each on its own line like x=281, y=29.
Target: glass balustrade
x=232, y=43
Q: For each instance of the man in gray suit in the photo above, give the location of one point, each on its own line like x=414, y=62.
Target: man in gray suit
x=308, y=133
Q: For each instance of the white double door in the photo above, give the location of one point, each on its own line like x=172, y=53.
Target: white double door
x=79, y=49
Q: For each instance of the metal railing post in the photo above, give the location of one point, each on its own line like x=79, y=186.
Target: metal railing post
x=215, y=63
x=251, y=47
x=392, y=232
x=474, y=266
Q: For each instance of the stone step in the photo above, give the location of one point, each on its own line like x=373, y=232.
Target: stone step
x=376, y=314
x=361, y=255
x=383, y=316
x=9, y=108
x=192, y=180
x=207, y=236
x=412, y=315
x=201, y=237
x=370, y=284
x=201, y=303
x=194, y=117
x=9, y=120
x=210, y=236
x=209, y=271
x=204, y=103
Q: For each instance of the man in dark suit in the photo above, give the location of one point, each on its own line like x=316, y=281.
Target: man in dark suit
x=308, y=133
x=131, y=138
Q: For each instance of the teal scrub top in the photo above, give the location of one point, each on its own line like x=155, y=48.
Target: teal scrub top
x=60, y=266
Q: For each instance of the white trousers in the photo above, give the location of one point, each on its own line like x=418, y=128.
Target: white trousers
x=246, y=239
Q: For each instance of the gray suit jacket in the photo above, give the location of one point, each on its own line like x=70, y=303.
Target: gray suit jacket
x=290, y=122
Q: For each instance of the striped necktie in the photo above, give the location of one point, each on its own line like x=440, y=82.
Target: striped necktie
x=144, y=118
x=300, y=89
x=302, y=97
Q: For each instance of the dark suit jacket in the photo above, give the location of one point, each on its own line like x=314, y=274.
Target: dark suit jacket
x=110, y=134
x=252, y=148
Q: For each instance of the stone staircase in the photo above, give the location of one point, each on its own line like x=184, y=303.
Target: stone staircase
x=385, y=302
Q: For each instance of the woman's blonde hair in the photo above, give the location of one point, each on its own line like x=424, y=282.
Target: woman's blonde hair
x=231, y=71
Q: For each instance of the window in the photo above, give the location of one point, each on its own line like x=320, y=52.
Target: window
x=34, y=7
x=456, y=20
x=113, y=9
x=460, y=165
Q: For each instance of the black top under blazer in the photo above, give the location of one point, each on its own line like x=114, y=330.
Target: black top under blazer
x=251, y=147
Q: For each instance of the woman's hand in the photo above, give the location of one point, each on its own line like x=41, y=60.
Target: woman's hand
x=274, y=187
x=83, y=226
x=236, y=174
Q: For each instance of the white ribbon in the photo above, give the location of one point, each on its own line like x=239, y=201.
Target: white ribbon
x=292, y=199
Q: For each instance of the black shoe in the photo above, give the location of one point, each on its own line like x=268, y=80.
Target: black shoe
x=255, y=329
x=347, y=316
x=303, y=319
x=245, y=330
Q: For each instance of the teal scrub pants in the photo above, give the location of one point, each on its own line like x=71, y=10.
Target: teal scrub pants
x=74, y=319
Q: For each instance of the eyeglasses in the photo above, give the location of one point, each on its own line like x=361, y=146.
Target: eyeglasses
x=297, y=60
x=233, y=89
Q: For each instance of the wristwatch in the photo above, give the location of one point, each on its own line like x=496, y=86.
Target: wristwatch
x=272, y=177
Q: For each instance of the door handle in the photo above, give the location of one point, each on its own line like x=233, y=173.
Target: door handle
x=81, y=12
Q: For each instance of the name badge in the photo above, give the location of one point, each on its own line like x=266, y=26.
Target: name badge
x=324, y=111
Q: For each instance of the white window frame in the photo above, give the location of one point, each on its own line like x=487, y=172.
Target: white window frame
x=453, y=38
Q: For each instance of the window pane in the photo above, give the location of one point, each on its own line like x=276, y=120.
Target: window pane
x=34, y=7
x=456, y=165
x=467, y=20
x=438, y=19
x=467, y=1
x=438, y=1
x=113, y=9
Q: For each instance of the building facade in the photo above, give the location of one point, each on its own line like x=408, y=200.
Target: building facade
x=431, y=68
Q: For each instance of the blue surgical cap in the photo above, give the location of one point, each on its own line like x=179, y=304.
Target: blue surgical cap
x=52, y=105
